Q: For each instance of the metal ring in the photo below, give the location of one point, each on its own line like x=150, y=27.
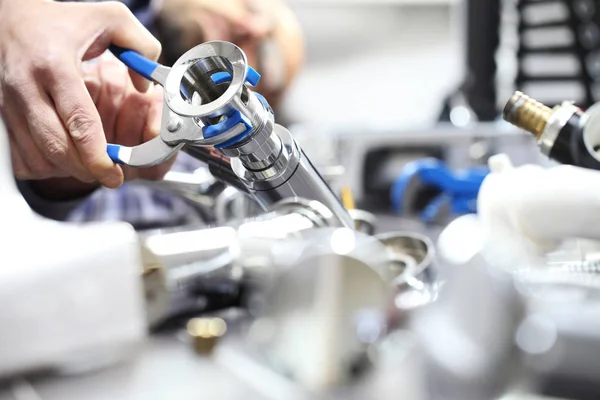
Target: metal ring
x=365, y=221
x=222, y=138
x=227, y=50
x=554, y=125
x=418, y=247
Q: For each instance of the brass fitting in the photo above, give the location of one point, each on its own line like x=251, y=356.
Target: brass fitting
x=527, y=113
x=206, y=333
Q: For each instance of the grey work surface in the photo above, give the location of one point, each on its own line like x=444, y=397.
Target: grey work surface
x=167, y=368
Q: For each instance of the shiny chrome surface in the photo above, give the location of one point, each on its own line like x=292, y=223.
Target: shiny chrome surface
x=258, y=154
x=277, y=172
x=192, y=96
x=306, y=182
x=180, y=71
x=218, y=164
x=364, y=221
x=325, y=308
x=318, y=213
x=183, y=263
x=152, y=152
x=268, y=162
x=231, y=204
x=291, y=175
x=412, y=257
x=249, y=146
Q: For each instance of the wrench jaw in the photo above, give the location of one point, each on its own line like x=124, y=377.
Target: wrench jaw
x=203, y=116
x=147, y=154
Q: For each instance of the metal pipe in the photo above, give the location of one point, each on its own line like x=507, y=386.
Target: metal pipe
x=289, y=174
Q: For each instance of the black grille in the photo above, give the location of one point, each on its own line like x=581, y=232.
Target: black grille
x=580, y=20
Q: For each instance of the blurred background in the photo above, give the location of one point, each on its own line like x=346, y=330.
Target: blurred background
x=377, y=62
x=395, y=62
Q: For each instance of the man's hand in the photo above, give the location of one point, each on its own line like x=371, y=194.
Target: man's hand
x=54, y=127
x=128, y=118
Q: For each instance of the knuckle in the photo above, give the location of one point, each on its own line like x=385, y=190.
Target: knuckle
x=81, y=126
x=43, y=64
x=55, y=151
x=15, y=78
x=114, y=89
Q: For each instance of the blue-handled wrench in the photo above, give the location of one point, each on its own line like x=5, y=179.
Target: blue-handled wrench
x=188, y=120
x=149, y=69
x=156, y=150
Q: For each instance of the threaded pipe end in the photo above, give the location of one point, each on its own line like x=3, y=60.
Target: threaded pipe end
x=527, y=113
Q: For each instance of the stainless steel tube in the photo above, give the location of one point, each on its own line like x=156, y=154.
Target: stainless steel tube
x=287, y=174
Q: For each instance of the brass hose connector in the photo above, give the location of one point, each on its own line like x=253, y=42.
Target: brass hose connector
x=206, y=333
x=527, y=113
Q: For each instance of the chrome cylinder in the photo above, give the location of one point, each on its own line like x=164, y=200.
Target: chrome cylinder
x=288, y=174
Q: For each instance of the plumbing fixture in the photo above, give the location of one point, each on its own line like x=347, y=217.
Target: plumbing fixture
x=208, y=103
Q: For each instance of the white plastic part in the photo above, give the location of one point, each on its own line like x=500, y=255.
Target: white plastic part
x=591, y=130
x=526, y=212
x=70, y=295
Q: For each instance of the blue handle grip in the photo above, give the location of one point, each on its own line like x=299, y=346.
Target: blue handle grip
x=135, y=61
x=113, y=152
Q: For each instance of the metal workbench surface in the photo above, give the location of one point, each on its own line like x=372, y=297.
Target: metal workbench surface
x=167, y=368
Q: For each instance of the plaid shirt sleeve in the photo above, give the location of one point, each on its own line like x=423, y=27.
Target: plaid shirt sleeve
x=141, y=206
